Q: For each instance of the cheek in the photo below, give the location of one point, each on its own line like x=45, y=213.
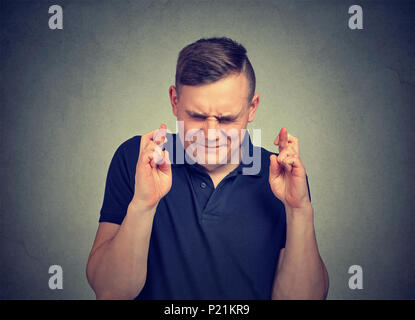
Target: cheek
x=191, y=132
x=191, y=126
x=234, y=129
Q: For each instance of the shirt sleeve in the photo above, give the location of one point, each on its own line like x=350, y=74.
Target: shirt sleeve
x=284, y=221
x=119, y=186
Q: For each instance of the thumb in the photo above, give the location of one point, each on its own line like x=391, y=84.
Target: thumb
x=274, y=167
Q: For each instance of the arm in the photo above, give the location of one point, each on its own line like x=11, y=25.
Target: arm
x=117, y=265
x=301, y=273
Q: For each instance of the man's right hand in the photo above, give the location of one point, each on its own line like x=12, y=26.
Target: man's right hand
x=153, y=177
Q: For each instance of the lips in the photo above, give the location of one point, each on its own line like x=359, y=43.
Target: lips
x=209, y=147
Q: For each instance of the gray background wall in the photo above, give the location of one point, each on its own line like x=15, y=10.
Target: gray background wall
x=70, y=97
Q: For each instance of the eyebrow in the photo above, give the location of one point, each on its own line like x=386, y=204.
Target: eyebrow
x=227, y=117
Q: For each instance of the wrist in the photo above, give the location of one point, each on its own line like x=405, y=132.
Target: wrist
x=139, y=219
x=303, y=214
x=138, y=207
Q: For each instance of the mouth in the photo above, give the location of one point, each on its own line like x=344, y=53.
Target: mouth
x=212, y=147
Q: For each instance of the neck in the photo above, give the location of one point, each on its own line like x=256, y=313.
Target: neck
x=215, y=169
x=218, y=172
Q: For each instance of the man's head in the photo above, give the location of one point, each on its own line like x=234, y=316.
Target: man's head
x=214, y=92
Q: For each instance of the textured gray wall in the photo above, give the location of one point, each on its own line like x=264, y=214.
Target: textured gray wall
x=70, y=97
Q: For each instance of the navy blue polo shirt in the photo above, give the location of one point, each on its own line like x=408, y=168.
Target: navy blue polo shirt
x=206, y=242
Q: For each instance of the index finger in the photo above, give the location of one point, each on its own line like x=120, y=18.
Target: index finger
x=159, y=134
x=283, y=138
x=150, y=136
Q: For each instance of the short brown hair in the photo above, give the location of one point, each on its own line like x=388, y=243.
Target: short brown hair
x=208, y=60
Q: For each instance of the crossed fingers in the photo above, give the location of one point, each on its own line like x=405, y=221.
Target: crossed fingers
x=288, y=145
x=151, y=146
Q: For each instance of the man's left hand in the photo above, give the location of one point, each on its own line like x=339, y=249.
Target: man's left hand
x=287, y=175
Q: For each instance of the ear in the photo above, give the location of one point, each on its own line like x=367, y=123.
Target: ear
x=174, y=100
x=253, y=107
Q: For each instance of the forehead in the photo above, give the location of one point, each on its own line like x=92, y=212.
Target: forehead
x=228, y=95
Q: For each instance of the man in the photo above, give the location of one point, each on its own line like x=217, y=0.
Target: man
x=203, y=229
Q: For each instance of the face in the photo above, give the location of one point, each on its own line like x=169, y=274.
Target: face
x=213, y=117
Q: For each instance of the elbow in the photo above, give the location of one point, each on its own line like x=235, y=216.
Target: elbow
x=88, y=273
x=322, y=289
x=317, y=291
x=117, y=294
x=111, y=296
x=316, y=295
x=326, y=284
x=110, y=286
x=116, y=291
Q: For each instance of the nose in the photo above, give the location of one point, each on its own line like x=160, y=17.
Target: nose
x=211, y=129
x=214, y=134
x=211, y=123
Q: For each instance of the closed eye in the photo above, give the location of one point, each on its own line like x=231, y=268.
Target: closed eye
x=225, y=120
x=198, y=117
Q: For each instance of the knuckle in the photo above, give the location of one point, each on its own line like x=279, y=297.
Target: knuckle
x=148, y=135
x=290, y=150
x=151, y=145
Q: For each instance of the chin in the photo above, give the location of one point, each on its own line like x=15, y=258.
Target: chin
x=211, y=162
x=210, y=167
